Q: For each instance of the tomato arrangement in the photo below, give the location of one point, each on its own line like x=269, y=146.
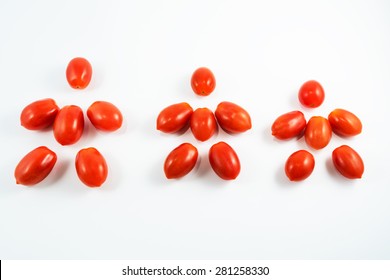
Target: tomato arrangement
x=91, y=167
x=68, y=127
x=318, y=133
x=204, y=124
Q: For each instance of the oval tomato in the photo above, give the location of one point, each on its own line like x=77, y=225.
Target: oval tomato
x=180, y=161
x=289, y=125
x=299, y=165
x=311, y=94
x=35, y=166
x=344, y=123
x=79, y=73
x=203, y=124
x=91, y=167
x=174, y=118
x=224, y=161
x=318, y=132
x=39, y=114
x=105, y=116
x=232, y=118
x=68, y=125
x=203, y=81
x=348, y=162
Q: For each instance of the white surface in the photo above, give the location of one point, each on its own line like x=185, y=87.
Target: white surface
x=143, y=54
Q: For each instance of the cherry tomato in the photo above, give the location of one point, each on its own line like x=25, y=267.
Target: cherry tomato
x=224, y=161
x=35, y=166
x=91, y=167
x=180, y=161
x=344, y=123
x=174, y=118
x=105, y=116
x=311, y=94
x=299, y=165
x=203, y=124
x=232, y=118
x=39, y=114
x=68, y=125
x=203, y=81
x=289, y=125
x=348, y=162
x=318, y=132
x=79, y=73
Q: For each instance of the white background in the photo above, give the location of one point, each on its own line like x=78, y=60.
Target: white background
x=143, y=54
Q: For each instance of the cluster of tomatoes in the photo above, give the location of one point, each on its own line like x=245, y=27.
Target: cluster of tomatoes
x=203, y=123
x=68, y=126
x=318, y=133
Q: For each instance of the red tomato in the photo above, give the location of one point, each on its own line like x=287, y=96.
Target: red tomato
x=299, y=165
x=318, y=132
x=224, y=161
x=232, y=118
x=39, y=114
x=203, y=124
x=91, y=167
x=311, y=94
x=203, y=81
x=105, y=116
x=348, y=162
x=174, y=118
x=35, y=166
x=289, y=125
x=344, y=123
x=180, y=161
x=79, y=73
x=68, y=125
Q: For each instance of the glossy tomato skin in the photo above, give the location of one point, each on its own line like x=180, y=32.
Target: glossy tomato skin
x=289, y=125
x=345, y=123
x=79, y=73
x=348, y=162
x=203, y=124
x=105, y=116
x=203, y=81
x=299, y=165
x=174, y=117
x=232, y=118
x=91, y=167
x=68, y=125
x=318, y=132
x=39, y=114
x=224, y=161
x=35, y=166
x=180, y=161
x=311, y=94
